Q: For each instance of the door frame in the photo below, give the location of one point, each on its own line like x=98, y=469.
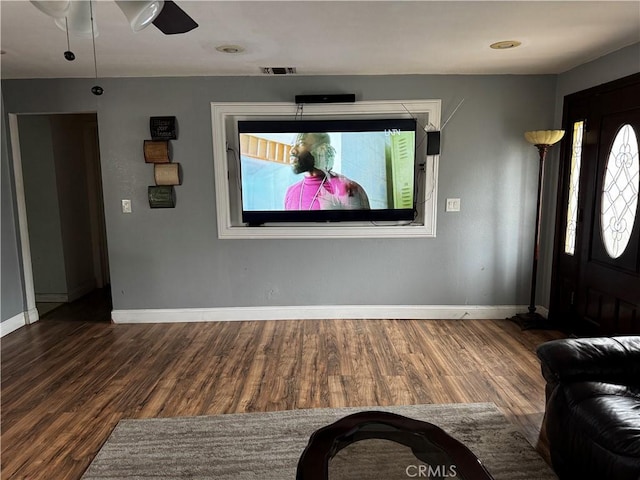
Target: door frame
x=31, y=314
x=572, y=103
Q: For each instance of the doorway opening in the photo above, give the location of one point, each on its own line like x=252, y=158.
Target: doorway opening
x=60, y=208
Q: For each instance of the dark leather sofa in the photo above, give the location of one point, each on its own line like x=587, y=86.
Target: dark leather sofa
x=592, y=417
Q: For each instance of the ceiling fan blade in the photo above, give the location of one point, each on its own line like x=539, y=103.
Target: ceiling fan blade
x=173, y=20
x=53, y=9
x=140, y=13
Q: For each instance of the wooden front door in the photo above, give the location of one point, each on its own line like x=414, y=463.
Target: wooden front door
x=596, y=273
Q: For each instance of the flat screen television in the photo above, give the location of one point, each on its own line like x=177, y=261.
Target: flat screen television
x=327, y=170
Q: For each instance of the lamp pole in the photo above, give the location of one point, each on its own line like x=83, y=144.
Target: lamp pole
x=542, y=140
x=542, y=150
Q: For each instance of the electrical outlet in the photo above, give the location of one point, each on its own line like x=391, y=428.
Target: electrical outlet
x=453, y=205
x=126, y=206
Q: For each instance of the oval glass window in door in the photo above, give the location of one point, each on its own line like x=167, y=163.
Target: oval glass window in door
x=620, y=192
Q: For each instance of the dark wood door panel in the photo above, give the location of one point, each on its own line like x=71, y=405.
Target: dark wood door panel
x=564, y=293
x=613, y=308
x=598, y=306
x=611, y=315
x=597, y=285
x=628, y=318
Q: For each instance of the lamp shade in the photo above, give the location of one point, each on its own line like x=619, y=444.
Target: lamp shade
x=544, y=137
x=140, y=14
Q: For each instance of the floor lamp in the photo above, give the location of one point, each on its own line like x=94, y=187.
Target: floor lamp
x=542, y=140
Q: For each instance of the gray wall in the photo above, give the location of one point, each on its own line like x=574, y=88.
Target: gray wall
x=171, y=258
x=616, y=65
x=41, y=199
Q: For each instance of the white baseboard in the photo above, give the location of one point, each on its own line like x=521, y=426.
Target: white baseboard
x=409, y=312
x=78, y=292
x=12, y=324
x=17, y=321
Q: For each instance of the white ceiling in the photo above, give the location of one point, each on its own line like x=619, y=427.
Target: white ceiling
x=327, y=37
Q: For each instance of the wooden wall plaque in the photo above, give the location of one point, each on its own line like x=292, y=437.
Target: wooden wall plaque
x=162, y=196
x=157, y=151
x=163, y=128
x=167, y=174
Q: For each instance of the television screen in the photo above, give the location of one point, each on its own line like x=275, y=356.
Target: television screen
x=327, y=170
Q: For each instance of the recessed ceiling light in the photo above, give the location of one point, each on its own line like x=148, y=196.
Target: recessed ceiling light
x=230, y=49
x=505, y=45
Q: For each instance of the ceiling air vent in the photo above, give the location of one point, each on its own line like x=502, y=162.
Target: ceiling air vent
x=278, y=70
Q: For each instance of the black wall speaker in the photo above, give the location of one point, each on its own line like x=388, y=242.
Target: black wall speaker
x=339, y=98
x=433, y=143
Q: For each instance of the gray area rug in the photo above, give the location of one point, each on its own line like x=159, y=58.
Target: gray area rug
x=267, y=446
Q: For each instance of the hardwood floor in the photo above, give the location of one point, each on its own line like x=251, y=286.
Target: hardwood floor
x=68, y=379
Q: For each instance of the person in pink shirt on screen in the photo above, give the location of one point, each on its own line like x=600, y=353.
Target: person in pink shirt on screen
x=321, y=189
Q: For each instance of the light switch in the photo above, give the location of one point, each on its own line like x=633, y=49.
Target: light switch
x=126, y=206
x=453, y=205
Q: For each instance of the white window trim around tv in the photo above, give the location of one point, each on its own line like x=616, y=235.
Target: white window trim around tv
x=224, y=118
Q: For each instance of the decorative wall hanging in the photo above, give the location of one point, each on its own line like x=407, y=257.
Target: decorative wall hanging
x=162, y=196
x=157, y=151
x=163, y=128
x=167, y=173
